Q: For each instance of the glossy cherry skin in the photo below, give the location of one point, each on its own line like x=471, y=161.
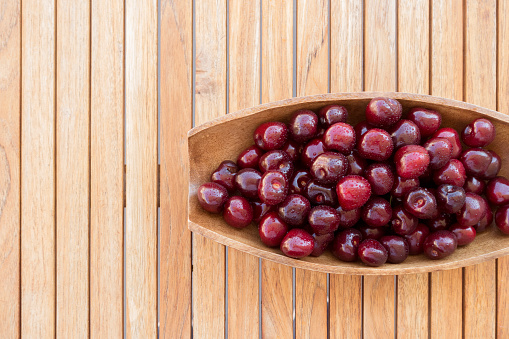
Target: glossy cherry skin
x=383, y=112
x=453, y=137
x=376, y=212
x=299, y=181
x=502, y=219
x=397, y=248
x=427, y=120
x=247, y=181
x=475, y=161
x=340, y=137
x=421, y=203
x=322, y=241
x=323, y=219
x=369, y=232
x=416, y=239
x=250, y=157
x=440, y=152
x=272, y=229
x=478, y=133
x=380, y=177
x=494, y=167
x=297, y=243
x=411, y=161
x=361, y=128
x=356, y=163
x=348, y=218
x=440, y=244
x=474, y=185
x=405, y=132
x=294, y=210
x=403, y=222
x=212, y=197
x=329, y=167
x=238, y=212
x=442, y=222
x=497, y=191
x=346, y=243
x=473, y=210
x=293, y=149
x=372, y=253
x=450, y=198
x=224, y=175
x=464, y=234
x=311, y=150
x=353, y=191
x=402, y=186
x=331, y=114
x=271, y=135
x=276, y=161
x=485, y=221
x=273, y=187
x=303, y=125
x=260, y=209
x=375, y=144
x=452, y=173
x=320, y=194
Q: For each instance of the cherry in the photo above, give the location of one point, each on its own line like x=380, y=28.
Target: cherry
x=376, y=212
x=402, y=186
x=353, y=191
x=502, y=219
x=383, y=112
x=440, y=244
x=453, y=137
x=276, y=161
x=405, y=132
x=475, y=161
x=299, y=181
x=303, y=125
x=427, y=120
x=440, y=152
x=311, y=150
x=247, y=181
x=421, y=203
x=450, y=198
x=323, y=219
x=474, y=185
x=375, y=144
x=442, y=222
x=329, y=167
x=273, y=187
x=493, y=167
x=485, y=221
x=331, y=114
x=346, y=243
x=361, y=128
x=238, y=212
x=270, y=135
x=416, y=239
x=294, y=209
x=297, y=243
x=322, y=241
x=260, y=209
x=479, y=133
x=464, y=234
x=272, y=229
x=452, y=173
x=340, y=137
x=369, y=232
x=320, y=194
x=397, y=248
x=372, y=253
x=497, y=191
x=224, y=175
x=403, y=222
x=250, y=157
x=293, y=149
x=212, y=197
x=348, y=218
x=380, y=177
x=356, y=163
x=411, y=161
x=473, y=210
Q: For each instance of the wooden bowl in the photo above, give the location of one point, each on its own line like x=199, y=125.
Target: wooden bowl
x=225, y=137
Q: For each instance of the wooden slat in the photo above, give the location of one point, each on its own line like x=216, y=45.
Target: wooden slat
x=277, y=84
x=73, y=119
x=175, y=240
x=210, y=102
x=141, y=168
x=379, y=74
x=10, y=169
x=479, y=298
x=446, y=81
x=244, y=91
x=38, y=169
x=413, y=76
x=346, y=76
x=312, y=78
x=107, y=169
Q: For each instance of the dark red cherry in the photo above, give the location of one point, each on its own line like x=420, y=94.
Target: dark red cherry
x=311, y=150
x=356, y=163
x=225, y=175
x=340, y=137
x=297, y=243
x=375, y=144
x=238, y=212
x=369, y=232
x=303, y=125
x=411, y=161
x=452, y=173
x=464, y=234
x=353, y=191
x=380, y=177
x=421, y=203
x=250, y=157
x=402, y=186
x=502, y=218
x=416, y=239
x=403, y=222
x=294, y=210
x=320, y=194
x=397, y=248
x=271, y=135
x=426, y=179
x=442, y=222
x=440, y=244
x=474, y=185
x=450, y=198
x=260, y=209
x=376, y=212
x=293, y=149
x=493, y=167
x=453, y=137
x=440, y=152
x=331, y=114
x=473, y=210
x=322, y=241
x=497, y=191
x=346, y=243
x=372, y=253
x=475, y=161
x=427, y=120
x=383, y=112
x=405, y=132
x=479, y=133
x=299, y=181
x=276, y=161
x=212, y=197
x=272, y=229
x=329, y=167
x=323, y=219
x=273, y=187
x=348, y=218
x=485, y=221
x=361, y=128
x=246, y=181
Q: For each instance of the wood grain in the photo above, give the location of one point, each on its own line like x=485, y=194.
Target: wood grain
x=244, y=91
x=210, y=102
x=312, y=78
x=446, y=81
x=479, y=293
x=277, y=84
x=141, y=168
x=38, y=169
x=379, y=74
x=347, y=75
x=73, y=122
x=10, y=153
x=413, y=76
x=107, y=169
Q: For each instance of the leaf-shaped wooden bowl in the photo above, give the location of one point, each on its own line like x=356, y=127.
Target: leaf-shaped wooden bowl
x=225, y=137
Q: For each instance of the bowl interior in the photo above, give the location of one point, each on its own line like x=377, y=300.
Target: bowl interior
x=226, y=137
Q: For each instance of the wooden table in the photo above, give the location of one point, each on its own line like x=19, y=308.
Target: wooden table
x=96, y=100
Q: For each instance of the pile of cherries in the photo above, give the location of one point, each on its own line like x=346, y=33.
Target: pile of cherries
x=379, y=191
